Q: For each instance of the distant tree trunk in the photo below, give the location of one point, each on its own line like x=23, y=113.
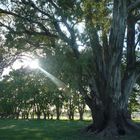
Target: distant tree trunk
x=48, y=115
x=27, y=115
x=38, y=113
x=58, y=112
x=17, y=115
x=45, y=115
x=32, y=115
x=33, y=112
x=81, y=113
x=81, y=108
x=51, y=116
x=71, y=109
x=23, y=114
x=71, y=114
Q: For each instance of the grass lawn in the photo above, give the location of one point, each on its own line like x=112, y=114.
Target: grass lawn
x=49, y=130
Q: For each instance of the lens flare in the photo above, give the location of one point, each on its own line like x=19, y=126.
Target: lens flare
x=61, y=85
x=34, y=64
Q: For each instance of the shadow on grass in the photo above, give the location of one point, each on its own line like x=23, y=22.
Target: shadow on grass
x=40, y=130
x=48, y=130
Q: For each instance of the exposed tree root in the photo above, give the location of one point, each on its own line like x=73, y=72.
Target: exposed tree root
x=113, y=129
x=131, y=126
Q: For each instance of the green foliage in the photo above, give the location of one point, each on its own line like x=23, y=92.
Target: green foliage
x=26, y=90
x=134, y=101
x=52, y=28
x=49, y=130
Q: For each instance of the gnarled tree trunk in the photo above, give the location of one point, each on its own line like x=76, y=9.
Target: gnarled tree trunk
x=110, y=87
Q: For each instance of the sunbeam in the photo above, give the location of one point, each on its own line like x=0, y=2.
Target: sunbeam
x=34, y=64
x=61, y=85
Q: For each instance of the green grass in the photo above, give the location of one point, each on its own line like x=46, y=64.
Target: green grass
x=49, y=130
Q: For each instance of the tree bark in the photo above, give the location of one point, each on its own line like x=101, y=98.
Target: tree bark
x=111, y=120
x=111, y=89
x=81, y=113
x=45, y=115
x=58, y=112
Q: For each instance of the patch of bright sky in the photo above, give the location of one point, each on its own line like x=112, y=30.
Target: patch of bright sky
x=81, y=28
x=16, y=65
x=137, y=29
x=24, y=61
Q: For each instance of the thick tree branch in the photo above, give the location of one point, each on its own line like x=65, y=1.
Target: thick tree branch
x=26, y=31
x=116, y=38
x=30, y=2
x=70, y=40
x=131, y=57
x=46, y=32
x=91, y=29
x=130, y=75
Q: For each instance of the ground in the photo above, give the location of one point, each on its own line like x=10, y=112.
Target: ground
x=50, y=130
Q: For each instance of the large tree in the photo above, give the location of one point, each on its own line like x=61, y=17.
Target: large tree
x=109, y=37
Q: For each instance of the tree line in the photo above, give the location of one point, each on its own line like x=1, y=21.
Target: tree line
x=26, y=94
